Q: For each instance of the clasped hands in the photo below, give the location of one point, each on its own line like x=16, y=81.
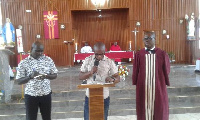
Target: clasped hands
x=38, y=76
x=107, y=80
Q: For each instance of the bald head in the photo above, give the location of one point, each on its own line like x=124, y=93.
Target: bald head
x=99, y=50
x=35, y=44
x=115, y=43
x=37, y=49
x=86, y=44
x=99, y=46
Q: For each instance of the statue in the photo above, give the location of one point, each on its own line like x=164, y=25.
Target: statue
x=190, y=26
x=8, y=33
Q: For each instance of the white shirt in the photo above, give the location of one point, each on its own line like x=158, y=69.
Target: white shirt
x=86, y=49
x=44, y=65
x=150, y=49
x=106, y=68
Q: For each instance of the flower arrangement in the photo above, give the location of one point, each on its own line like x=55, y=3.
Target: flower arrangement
x=123, y=71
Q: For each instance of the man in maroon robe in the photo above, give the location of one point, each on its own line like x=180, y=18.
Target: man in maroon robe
x=116, y=47
x=150, y=75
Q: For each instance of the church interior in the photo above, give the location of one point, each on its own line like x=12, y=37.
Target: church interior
x=64, y=26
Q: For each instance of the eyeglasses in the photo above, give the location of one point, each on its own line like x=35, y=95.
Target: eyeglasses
x=96, y=54
x=39, y=50
x=148, y=38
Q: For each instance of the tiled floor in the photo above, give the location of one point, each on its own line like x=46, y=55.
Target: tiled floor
x=188, y=116
x=181, y=76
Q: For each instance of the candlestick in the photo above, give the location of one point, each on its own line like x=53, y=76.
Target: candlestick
x=129, y=45
x=76, y=47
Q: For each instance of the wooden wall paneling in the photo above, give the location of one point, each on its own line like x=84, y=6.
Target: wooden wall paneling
x=92, y=28
x=132, y=9
x=119, y=3
x=152, y=14
x=79, y=4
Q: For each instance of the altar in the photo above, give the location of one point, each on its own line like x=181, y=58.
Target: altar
x=111, y=55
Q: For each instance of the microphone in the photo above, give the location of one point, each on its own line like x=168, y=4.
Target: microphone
x=96, y=63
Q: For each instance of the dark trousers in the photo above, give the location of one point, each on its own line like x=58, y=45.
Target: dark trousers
x=86, y=108
x=33, y=103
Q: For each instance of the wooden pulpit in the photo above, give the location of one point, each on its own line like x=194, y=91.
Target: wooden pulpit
x=96, y=100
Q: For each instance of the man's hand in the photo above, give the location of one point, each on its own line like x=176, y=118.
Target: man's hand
x=86, y=75
x=41, y=77
x=35, y=73
x=38, y=76
x=94, y=69
x=109, y=80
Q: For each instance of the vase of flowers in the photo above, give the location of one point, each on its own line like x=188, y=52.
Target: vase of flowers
x=123, y=72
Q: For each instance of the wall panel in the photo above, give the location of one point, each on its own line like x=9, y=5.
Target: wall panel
x=111, y=26
x=152, y=14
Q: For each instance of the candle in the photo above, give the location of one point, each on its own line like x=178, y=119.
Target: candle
x=76, y=47
x=130, y=45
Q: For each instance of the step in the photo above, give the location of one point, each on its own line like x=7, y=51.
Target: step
x=69, y=104
x=129, y=109
x=76, y=97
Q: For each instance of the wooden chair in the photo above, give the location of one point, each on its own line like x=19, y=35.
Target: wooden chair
x=100, y=40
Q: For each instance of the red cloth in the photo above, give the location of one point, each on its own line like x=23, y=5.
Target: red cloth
x=23, y=57
x=51, y=24
x=116, y=48
x=111, y=55
x=162, y=69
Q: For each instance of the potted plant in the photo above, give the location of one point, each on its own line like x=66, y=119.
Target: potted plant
x=171, y=56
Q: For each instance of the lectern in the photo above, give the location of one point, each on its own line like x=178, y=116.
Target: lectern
x=96, y=100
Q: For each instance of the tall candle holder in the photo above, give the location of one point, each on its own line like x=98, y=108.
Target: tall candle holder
x=76, y=47
x=130, y=45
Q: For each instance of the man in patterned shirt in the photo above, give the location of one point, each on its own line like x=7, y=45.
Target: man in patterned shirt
x=36, y=71
x=104, y=71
